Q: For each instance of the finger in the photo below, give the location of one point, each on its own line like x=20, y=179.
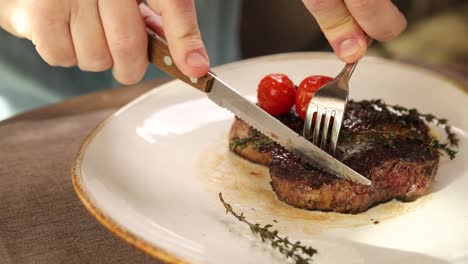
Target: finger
x=50, y=32
x=152, y=19
x=339, y=27
x=15, y=17
x=155, y=6
x=379, y=19
x=126, y=37
x=183, y=36
x=88, y=37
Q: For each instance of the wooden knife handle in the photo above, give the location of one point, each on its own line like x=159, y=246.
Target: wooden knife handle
x=159, y=55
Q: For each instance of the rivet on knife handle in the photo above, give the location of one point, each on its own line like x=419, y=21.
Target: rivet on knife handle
x=159, y=55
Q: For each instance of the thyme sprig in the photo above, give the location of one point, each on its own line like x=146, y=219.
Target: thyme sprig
x=437, y=145
x=257, y=140
x=240, y=143
x=413, y=115
x=296, y=251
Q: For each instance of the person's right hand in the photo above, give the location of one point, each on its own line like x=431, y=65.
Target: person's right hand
x=97, y=35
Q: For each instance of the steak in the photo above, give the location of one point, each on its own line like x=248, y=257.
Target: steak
x=391, y=149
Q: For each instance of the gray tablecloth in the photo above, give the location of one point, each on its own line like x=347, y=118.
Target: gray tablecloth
x=41, y=218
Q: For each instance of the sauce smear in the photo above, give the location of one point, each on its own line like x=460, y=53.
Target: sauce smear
x=246, y=186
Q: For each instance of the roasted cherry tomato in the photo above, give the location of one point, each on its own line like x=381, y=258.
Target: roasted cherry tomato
x=276, y=94
x=306, y=90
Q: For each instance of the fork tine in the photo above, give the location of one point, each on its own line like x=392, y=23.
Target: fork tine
x=328, y=114
x=306, y=132
x=335, y=132
x=318, y=125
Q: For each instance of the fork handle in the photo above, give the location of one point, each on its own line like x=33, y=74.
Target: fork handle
x=159, y=56
x=349, y=67
x=347, y=71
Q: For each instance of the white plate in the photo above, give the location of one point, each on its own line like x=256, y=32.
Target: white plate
x=151, y=173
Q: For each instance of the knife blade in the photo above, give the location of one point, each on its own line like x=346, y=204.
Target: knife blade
x=225, y=96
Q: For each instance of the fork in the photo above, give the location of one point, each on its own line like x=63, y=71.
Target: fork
x=327, y=103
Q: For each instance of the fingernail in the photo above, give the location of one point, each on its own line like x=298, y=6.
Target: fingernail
x=195, y=59
x=349, y=47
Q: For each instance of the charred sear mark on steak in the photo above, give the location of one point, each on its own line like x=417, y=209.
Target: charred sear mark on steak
x=393, y=151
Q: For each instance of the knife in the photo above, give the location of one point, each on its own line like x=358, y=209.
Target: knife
x=223, y=95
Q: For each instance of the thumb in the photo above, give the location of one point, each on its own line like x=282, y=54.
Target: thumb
x=339, y=27
x=179, y=20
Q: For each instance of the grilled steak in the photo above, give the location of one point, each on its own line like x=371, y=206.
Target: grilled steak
x=390, y=149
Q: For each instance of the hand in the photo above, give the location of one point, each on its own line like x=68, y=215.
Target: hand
x=345, y=23
x=96, y=35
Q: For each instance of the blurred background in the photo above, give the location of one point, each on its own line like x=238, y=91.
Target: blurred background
x=437, y=37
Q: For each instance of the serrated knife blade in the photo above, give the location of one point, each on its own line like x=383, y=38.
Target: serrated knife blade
x=225, y=96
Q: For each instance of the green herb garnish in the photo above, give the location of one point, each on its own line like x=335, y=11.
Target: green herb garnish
x=240, y=143
x=256, y=139
x=435, y=144
x=407, y=116
x=296, y=251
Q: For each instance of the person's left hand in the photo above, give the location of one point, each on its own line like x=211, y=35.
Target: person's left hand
x=346, y=22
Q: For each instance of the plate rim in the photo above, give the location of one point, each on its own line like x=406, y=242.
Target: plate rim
x=140, y=243
x=106, y=221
